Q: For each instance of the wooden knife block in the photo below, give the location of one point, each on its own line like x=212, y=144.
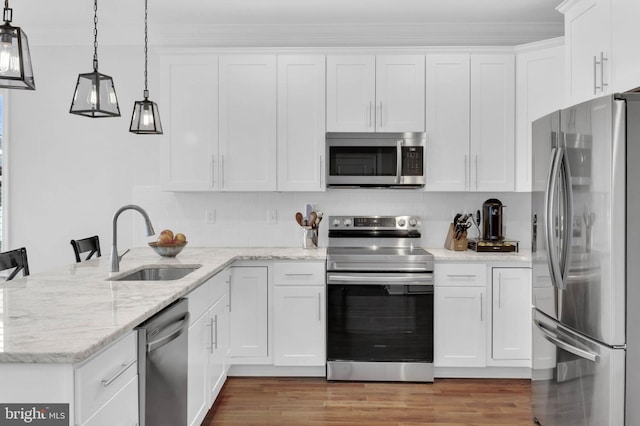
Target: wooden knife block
x=450, y=243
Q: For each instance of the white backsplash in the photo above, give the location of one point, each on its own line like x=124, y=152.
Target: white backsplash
x=245, y=219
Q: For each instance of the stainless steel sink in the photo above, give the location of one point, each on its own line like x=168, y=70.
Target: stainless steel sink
x=159, y=273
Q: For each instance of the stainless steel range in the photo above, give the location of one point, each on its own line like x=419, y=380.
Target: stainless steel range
x=380, y=300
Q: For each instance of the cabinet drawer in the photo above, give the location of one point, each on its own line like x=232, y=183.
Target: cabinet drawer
x=104, y=375
x=461, y=274
x=122, y=409
x=296, y=273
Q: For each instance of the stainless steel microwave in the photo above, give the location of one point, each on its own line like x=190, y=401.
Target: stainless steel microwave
x=392, y=160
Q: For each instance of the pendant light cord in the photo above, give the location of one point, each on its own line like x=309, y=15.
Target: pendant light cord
x=95, y=35
x=146, y=60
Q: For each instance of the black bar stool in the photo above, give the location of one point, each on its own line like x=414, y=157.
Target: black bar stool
x=91, y=245
x=14, y=259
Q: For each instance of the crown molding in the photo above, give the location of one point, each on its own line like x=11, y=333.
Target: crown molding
x=335, y=35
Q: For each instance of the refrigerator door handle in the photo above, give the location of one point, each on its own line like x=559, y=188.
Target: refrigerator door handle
x=567, y=234
x=552, y=186
x=551, y=337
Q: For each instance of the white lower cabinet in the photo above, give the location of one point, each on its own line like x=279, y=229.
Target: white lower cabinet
x=121, y=410
x=460, y=315
x=299, y=314
x=208, y=345
x=511, y=314
x=106, y=386
x=248, y=306
x=482, y=319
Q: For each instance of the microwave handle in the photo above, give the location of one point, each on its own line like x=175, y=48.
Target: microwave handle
x=399, y=161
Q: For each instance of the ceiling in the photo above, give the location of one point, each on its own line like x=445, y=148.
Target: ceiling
x=292, y=22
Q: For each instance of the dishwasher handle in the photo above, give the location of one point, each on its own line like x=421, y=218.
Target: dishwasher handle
x=182, y=323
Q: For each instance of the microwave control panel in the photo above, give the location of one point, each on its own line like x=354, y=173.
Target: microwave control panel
x=412, y=160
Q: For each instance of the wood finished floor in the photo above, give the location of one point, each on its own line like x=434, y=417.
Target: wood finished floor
x=314, y=401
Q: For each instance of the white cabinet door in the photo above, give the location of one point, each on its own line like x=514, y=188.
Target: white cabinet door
x=301, y=122
x=447, y=122
x=351, y=93
x=121, y=410
x=248, y=312
x=587, y=29
x=299, y=325
x=219, y=320
x=511, y=317
x=624, y=44
x=460, y=326
x=400, y=93
x=492, y=152
x=197, y=369
x=540, y=91
x=189, y=104
x=248, y=122
x=368, y=93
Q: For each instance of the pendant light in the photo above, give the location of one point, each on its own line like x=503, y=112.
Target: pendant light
x=15, y=61
x=95, y=95
x=145, y=119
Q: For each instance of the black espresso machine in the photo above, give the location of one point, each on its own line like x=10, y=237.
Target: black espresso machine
x=491, y=237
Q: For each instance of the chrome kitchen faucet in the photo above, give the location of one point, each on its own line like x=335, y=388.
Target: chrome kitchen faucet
x=115, y=259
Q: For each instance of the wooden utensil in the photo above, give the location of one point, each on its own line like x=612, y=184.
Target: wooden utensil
x=312, y=219
x=299, y=218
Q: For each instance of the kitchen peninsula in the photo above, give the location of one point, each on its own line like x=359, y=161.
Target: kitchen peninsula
x=55, y=324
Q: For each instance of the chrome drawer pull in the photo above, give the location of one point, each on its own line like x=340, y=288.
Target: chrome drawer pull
x=125, y=367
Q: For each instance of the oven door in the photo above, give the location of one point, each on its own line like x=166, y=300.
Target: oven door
x=380, y=317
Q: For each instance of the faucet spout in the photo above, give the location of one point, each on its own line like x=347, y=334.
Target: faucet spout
x=115, y=259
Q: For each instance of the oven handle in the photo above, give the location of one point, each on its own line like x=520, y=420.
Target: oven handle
x=411, y=279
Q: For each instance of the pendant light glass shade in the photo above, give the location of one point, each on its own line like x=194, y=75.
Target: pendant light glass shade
x=145, y=119
x=15, y=61
x=95, y=95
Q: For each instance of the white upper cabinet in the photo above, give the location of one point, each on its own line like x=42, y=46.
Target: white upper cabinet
x=625, y=35
x=539, y=91
x=247, y=108
x=587, y=26
x=447, y=122
x=492, y=152
x=190, y=119
x=400, y=93
x=470, y=122
x=301, y=122
x=368, y=93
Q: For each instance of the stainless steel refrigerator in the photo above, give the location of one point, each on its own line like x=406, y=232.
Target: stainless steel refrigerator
x=586, y=269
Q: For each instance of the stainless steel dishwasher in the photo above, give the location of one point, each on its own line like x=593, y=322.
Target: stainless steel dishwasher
x=162, y=366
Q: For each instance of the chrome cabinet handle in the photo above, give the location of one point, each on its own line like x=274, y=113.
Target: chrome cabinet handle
x=380, y=124
x=319, y=306
x=481, y=308
x=466, y=173
x=461, y=276
x=600, y=62
x=214, y=320
x=321, y=171
x=229, y=284
x=298, y=275
x=370, y=119
x=125, y=366
x=213, y=171
x=476, y=172
x=222, y=171
x=499, y=290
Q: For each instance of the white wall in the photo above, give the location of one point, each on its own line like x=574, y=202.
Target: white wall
x=67, y=175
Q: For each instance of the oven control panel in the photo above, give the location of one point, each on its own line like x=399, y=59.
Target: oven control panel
x=374, y=222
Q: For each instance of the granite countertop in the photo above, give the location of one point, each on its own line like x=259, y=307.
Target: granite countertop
x=68, y=314
x=442, y=254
